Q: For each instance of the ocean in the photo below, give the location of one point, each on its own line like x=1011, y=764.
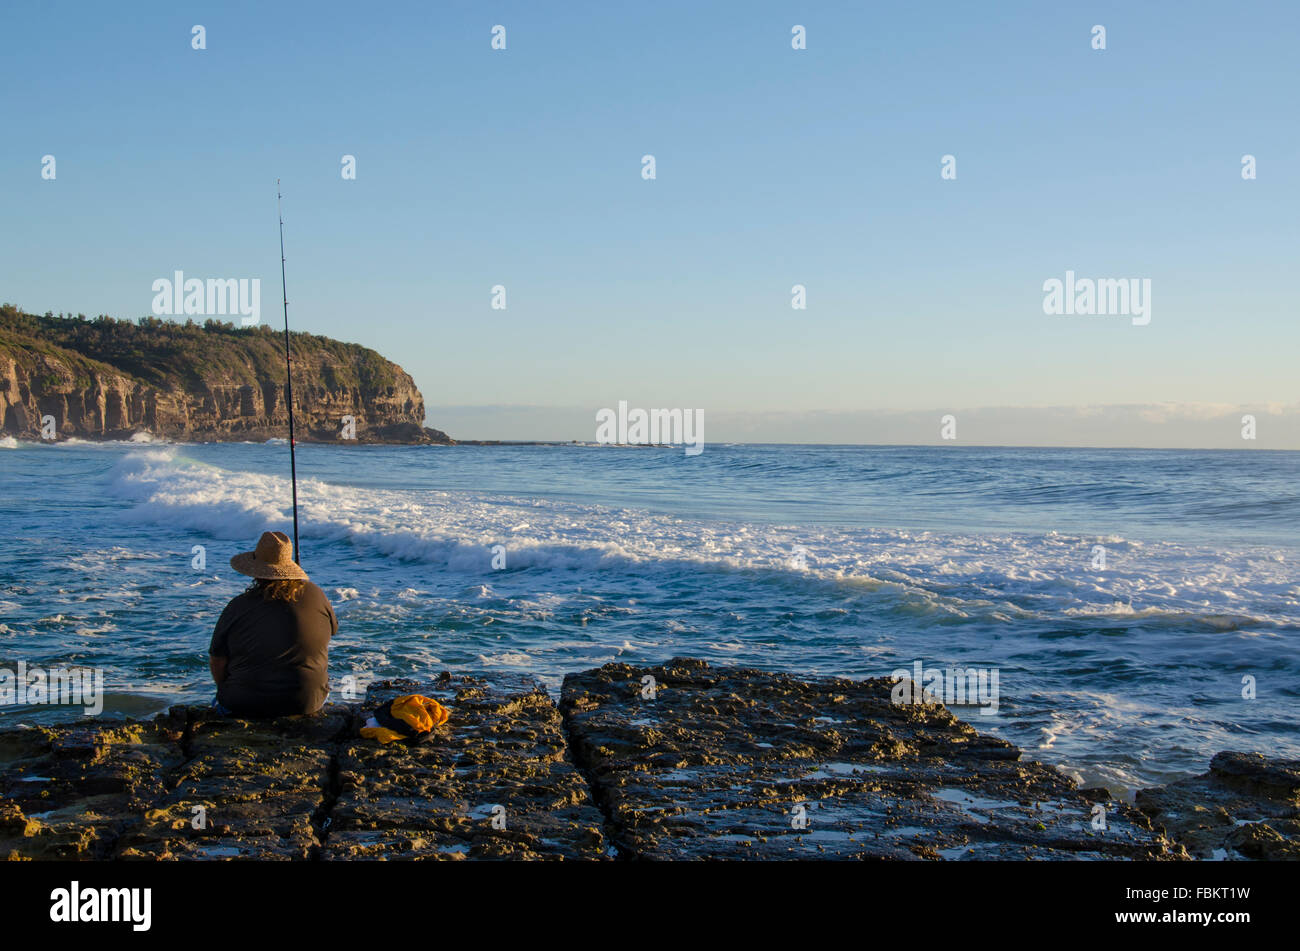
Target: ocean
x=1140, y=608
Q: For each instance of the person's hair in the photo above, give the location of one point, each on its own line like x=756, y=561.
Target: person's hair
x=280, y=589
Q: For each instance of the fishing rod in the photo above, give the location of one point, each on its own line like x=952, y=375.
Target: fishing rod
x=288, y=376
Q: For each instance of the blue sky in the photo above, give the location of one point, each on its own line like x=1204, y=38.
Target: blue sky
x=820, y=167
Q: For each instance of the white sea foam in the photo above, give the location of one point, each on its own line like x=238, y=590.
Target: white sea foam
x=506, y=659
x=1115, y=672
x=924, y=574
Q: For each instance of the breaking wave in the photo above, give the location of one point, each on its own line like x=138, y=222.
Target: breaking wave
x=1008, y=575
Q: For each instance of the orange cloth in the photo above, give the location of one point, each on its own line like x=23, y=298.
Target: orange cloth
x=421, y=714
x=380, y=733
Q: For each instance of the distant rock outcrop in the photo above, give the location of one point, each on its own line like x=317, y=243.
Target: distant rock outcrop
x=111, y=379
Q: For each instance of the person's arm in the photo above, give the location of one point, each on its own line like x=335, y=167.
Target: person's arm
x=218, y=653
x=327, y=610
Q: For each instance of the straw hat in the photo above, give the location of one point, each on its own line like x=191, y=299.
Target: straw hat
x=272, y=559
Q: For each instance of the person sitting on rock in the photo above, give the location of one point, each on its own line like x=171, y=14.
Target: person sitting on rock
x=270, y=651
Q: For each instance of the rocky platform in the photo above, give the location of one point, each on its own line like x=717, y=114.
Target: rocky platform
x=677, y=761
x=1245, y=807
x=746, y=764
x=193, y=785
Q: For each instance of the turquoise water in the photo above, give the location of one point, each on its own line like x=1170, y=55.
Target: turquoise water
x=840, y=560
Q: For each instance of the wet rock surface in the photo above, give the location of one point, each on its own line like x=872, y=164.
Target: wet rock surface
x=73, y=792
x=491, y=783
x=1245, y=807
x=676, y=761
x=699, y=762
x=246, y=789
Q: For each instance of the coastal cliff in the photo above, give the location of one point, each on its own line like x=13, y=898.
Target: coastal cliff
x=112, y=379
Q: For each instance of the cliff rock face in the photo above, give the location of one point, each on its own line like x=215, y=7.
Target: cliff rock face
x=110, y=379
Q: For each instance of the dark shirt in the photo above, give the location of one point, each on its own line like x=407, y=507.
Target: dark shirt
x=277, y=653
